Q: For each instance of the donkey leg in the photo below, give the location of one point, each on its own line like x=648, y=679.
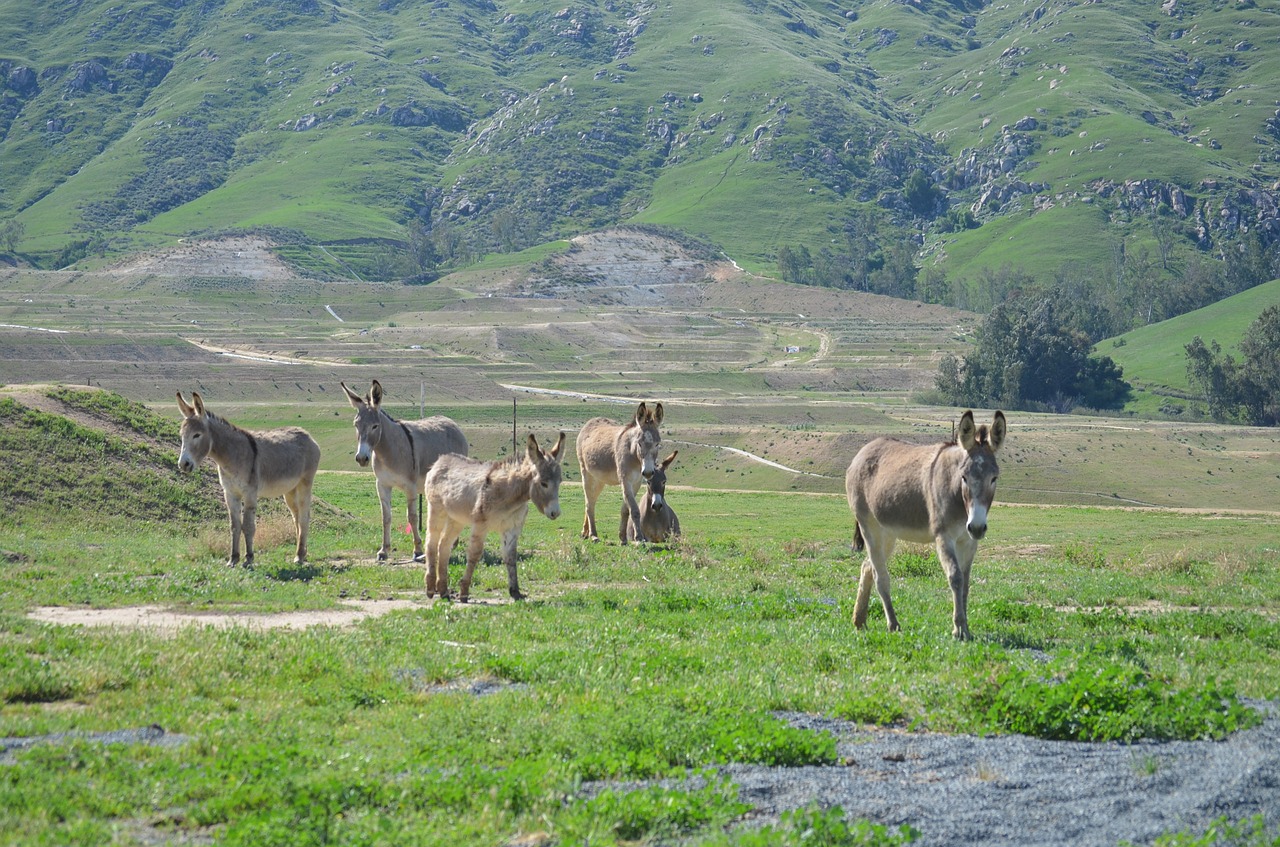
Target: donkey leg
x=437, y=522
x=249, y=524
x=879, y=551
x=475, y=551
x=591, y=489
x=384, y=499
x=630, y=529
x=411, y=503
x=625, y=530
x=957, y=571
x=510, y=540
x=234, y=507
x=299, y=502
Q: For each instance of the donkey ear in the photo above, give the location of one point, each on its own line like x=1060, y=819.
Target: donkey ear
x=531, y=448
x=187, y=411
x=642, y=411
x=997, y=431
x=375, y=394
x=353, y=398
x=197, y=402
x=555, y=451
x=667, y=461
x=968, y=435
x=657, y=413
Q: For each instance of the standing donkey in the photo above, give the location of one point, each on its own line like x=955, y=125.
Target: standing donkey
x=938, y=493
x=658, y=520
x=251, y=465
x=490, y=497
x=402, y=452
x=619, y=454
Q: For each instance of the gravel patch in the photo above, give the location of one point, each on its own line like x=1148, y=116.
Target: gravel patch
x=153, y=734
x=962, y=790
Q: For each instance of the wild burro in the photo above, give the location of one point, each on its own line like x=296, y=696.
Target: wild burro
x=611, y=453
x=938, y=493
x=402, y=453
x=271, y=463
x=658, y=521
x=488, y=497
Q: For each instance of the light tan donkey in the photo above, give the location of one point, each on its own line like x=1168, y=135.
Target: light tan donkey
x=933, y=493
x=488, y=497
x=270, y=463
x=658, y=520
x=611, y=453
x=402, y=453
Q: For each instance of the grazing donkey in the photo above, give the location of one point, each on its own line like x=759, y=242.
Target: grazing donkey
x=251, y=465
x=402, y=452
x=490, y=497
x=619, y=454
x=658, y=520
x=923, y=493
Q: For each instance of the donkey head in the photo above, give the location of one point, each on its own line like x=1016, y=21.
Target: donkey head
x=980, y=470
x=658, y=483
x=196, y=439
x=645, y=438
x=544, y=491
x=368, y=422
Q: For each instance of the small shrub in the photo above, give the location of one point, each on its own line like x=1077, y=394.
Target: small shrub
x=1222, y=833
x=1100, y=700
x=651, y=813
x=817, y=828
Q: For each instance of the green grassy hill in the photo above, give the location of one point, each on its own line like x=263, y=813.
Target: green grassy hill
x=373, y=127
x=1154, y=357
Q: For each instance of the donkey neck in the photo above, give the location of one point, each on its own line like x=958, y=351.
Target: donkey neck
x=512, y=479
x=399, y=426
x=231, y=445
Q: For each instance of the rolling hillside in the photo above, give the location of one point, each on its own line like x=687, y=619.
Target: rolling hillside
x=376, y=139
x=1154, y=357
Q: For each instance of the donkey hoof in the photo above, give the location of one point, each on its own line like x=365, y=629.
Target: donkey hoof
x=382, y=555
x=516, y=595
x=419, y=557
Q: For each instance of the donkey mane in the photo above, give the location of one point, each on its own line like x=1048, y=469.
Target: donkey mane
x=512, y=462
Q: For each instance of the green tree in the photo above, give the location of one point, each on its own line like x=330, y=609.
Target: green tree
x=1026, y=358
x=11, y=232
x=920, y=194
x=1245, y=391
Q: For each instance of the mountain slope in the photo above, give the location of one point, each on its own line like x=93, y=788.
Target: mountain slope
x=1070, y=131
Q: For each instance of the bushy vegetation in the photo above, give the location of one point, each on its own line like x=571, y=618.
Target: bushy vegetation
x=1097, y=698
x=1026, y=358
x=1247, y=391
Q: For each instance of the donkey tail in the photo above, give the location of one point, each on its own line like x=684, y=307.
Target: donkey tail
x=858, y=543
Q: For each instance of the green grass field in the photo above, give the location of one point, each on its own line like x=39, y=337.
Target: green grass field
x=625, y=663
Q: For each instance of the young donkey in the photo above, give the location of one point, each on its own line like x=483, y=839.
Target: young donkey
x=938, y=493
x=658, y=520
x=402, y=453
x=251, y=465
x=619, y=454
x=490, y=497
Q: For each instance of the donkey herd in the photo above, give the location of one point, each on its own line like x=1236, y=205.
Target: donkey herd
x=938, y=493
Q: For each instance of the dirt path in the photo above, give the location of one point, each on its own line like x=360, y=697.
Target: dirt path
x=169, y=621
